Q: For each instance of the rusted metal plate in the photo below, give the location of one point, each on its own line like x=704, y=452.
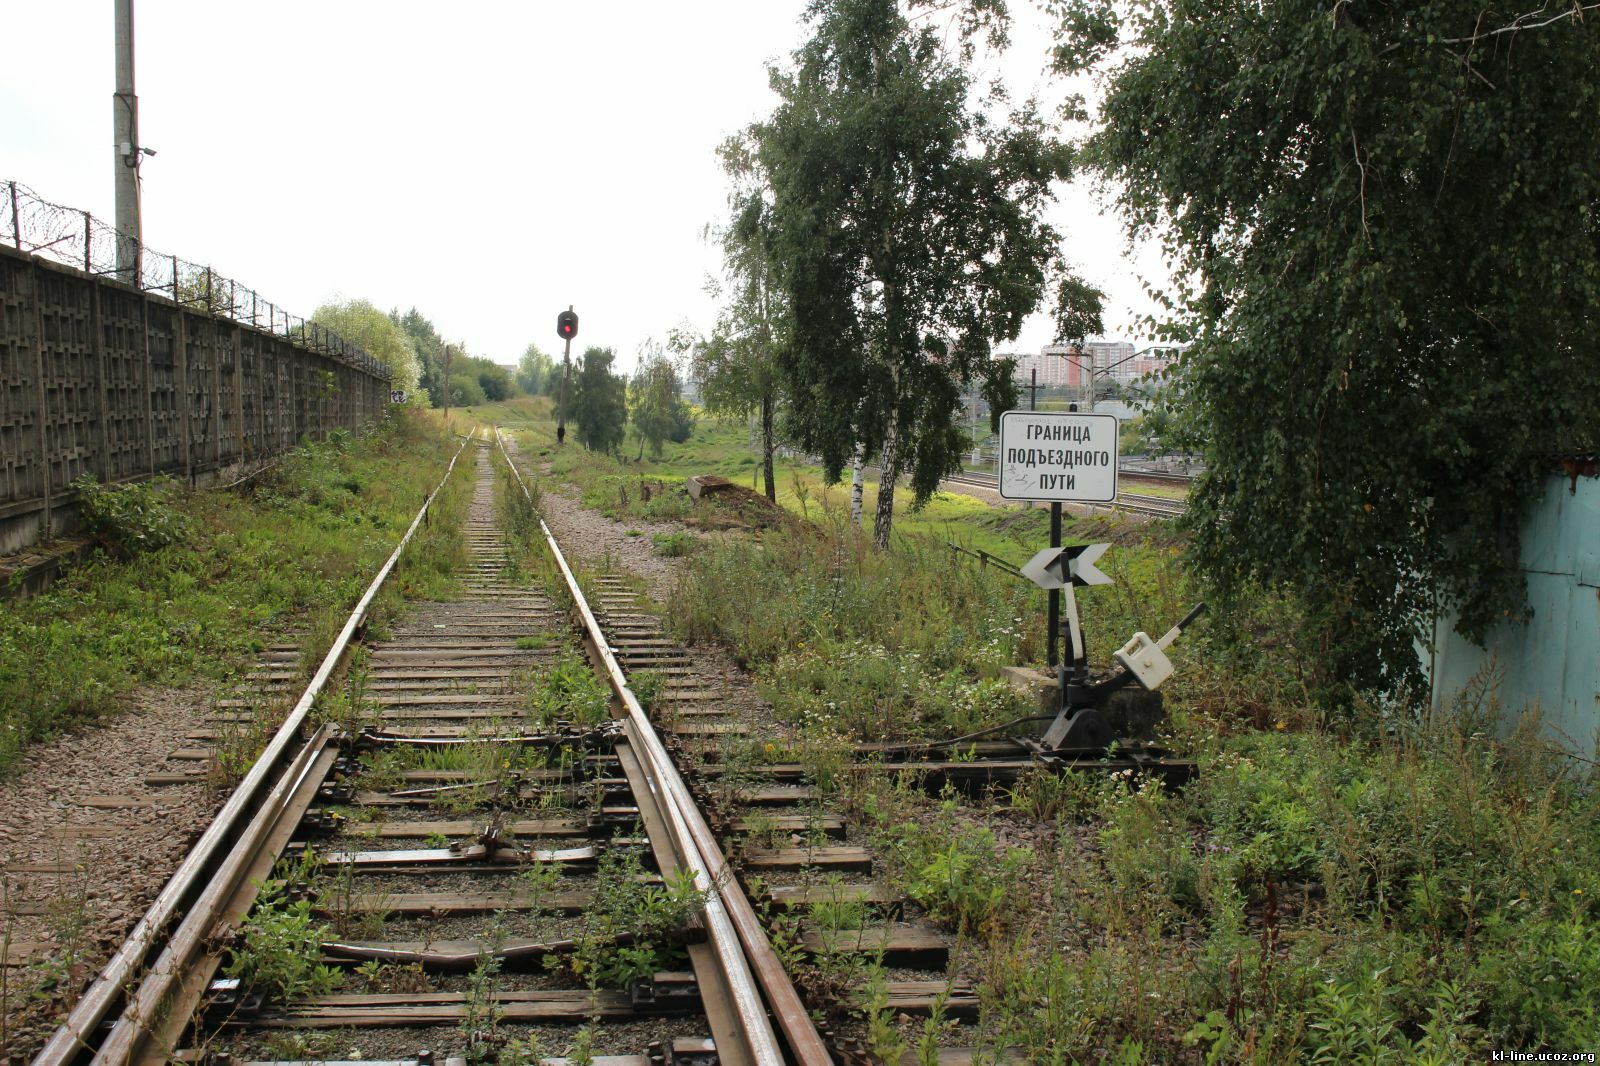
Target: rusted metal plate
x=449, y=1008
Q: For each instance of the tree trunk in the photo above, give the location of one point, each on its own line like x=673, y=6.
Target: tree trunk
x=857, y=483
x=888, y=474
x=766, y=447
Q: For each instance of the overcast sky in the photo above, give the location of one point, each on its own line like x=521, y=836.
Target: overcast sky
x=487, y=163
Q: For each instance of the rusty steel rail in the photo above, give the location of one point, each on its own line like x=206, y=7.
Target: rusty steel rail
x=214, y=868
x=748, y=961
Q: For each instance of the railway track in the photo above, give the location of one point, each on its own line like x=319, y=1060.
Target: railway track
x=514, y=859
x=499, y=877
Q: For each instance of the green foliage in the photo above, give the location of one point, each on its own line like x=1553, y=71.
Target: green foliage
x=873, y=645
x=905, y=232
x=299, y=544
x=480, y=1012
x=537, y=372
x=737, y=365
x=598, y=404
x=429, y=346
x=280, y=949
x=958, y=874
x=569, y=690
x=130, y=518
x=623, y=902
x=674, y=545
x=465, y=389
x=495, y=381
x=1371, y=207
x=358, y=322
x=656, y=407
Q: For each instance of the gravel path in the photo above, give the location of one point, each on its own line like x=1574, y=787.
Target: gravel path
x=594, y=538
x=86, y=845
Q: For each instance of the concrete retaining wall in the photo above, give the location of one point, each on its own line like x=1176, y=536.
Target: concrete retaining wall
x=99, y=378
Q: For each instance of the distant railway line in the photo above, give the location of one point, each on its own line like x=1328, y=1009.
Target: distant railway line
x=1134, y=503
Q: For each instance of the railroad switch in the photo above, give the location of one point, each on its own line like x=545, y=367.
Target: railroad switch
x=318, y=822
x=1091, y=716
x=665, y=993
x=227, y=1001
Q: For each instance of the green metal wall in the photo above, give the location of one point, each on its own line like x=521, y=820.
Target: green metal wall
x=1553, y=660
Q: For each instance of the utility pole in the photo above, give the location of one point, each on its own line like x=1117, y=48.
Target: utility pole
x=126, y=152
x=447, y=388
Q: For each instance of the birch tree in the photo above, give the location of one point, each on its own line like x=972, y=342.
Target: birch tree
x=738, y=365
x=906, y=234
x=1387, y=217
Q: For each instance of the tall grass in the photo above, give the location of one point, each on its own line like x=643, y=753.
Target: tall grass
x=294, y=548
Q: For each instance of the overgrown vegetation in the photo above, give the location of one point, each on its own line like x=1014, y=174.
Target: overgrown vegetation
x=1424, y=897
x=279, y=950
x=225, y=573
x=1347, y=185
x=128, y=519
x=650, y=917
x=1378, y=888
x=568, y=690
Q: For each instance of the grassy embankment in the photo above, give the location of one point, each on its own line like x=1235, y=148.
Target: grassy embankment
x=293, y=548
x=722, y=447
x=1354, y=886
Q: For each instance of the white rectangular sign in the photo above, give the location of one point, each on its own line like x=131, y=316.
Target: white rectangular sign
x=1057, y=457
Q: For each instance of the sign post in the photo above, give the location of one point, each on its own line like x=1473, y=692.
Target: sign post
x=1061, y=457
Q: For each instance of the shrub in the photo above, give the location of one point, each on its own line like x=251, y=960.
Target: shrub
x=569, y=691
x=130, y=518
x=674, y=545
x=280, y=948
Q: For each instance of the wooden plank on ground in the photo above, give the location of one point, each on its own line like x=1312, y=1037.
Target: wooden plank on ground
x=841, y=859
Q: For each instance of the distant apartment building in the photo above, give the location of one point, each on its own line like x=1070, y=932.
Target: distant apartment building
x=1156, y=358
x=1066, y=366
x=1069, y=366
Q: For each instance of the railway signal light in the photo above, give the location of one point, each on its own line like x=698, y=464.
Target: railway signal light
x=566, y=325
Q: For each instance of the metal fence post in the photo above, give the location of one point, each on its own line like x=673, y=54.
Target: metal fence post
x=16, y=218
x=184, y=408
x=41, y=404
x=88, y=243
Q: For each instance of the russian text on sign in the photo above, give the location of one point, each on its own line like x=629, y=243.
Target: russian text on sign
x=1082, y=469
